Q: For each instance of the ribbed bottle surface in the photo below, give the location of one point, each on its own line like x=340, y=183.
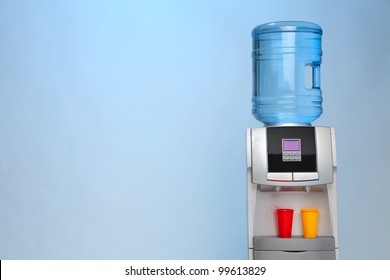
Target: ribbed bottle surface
x=286, y=73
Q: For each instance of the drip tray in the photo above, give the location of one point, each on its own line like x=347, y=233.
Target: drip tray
x=295, y=243
x=295, y=248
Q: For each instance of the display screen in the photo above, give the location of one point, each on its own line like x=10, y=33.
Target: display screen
x=291, y=149
x=291, y=144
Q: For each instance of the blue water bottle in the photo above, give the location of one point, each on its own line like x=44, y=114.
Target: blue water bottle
x=286, y=73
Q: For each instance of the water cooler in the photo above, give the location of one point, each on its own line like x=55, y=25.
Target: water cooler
x=290, y=163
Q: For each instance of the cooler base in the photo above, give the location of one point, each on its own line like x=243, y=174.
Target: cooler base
x=285, y=255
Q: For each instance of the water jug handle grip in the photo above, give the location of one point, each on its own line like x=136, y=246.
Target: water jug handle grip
x=316, y=75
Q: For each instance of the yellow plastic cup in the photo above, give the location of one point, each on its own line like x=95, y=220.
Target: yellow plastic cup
x=309, y=222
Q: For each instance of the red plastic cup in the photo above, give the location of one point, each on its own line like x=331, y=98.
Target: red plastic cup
x=285, y=218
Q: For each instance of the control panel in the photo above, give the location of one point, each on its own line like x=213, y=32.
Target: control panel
x=291, y=150
x=290, y=155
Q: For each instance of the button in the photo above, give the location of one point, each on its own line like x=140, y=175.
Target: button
x=305, y=176
x=279, y=176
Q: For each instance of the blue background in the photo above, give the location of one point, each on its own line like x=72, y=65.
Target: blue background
x=122, y=125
